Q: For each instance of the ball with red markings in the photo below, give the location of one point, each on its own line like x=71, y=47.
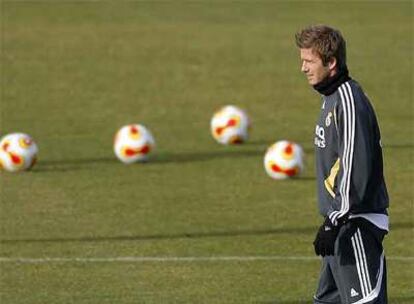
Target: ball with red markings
x=284, y=159
x=230, y=125
x=133, y=143
x=18, y=152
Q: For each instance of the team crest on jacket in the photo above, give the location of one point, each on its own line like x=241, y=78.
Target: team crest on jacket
x=328, y=119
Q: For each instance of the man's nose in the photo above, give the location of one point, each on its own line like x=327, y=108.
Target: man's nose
x=304, y=67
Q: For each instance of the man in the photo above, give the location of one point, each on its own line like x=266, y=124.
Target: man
x=352, y=194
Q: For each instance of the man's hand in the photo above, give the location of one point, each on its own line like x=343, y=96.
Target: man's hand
x=325, y=238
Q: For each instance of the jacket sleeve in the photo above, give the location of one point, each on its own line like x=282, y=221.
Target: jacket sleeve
x=354, y=152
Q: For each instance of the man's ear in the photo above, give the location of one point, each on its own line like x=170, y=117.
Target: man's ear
x=332, y=64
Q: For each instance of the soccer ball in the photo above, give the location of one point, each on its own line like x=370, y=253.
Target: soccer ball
x=18, y=152
x=283, y=159
x=230, y=125
x=133, y=143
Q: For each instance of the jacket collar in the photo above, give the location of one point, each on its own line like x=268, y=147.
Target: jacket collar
x=330, y=84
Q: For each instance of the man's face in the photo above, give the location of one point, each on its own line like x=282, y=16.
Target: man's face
x=313, y=67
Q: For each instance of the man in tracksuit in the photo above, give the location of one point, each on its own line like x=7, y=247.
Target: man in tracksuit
x=352, y=193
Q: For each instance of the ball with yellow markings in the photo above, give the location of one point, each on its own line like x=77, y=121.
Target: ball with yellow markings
x=284, y=159
x=133, y=143
x=230, y=125
x=18, y=152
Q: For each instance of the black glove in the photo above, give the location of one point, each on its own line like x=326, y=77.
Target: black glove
x=325, y=238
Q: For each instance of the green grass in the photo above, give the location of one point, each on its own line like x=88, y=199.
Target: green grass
x=72, y=73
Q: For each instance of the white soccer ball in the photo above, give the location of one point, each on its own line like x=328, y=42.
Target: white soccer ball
x=18, y=152
x=230, y=125
x=284, y=159
x=133, y=143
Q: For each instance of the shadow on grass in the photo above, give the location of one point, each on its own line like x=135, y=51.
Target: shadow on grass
x=70, y=164
x=168, y=236
x=189, y=235
x=189, y=157
x=158, y=158
x=402, y=299
x=399, y=146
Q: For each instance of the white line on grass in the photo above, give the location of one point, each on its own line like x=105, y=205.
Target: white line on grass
x=143, y=259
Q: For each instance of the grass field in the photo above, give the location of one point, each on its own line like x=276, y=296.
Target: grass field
x=200, y=223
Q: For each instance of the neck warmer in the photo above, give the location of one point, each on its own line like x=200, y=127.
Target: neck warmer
x=330, y=84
